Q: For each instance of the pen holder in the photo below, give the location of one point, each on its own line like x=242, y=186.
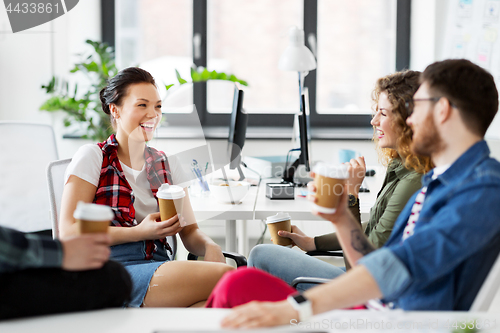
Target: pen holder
x=197, y=189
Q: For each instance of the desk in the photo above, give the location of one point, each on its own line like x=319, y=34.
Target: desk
x=255, y=206
x=148, y=320
x=208, y=208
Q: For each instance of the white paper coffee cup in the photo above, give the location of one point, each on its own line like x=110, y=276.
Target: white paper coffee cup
x=329, y=182
x=93, y=218
x=275, y=223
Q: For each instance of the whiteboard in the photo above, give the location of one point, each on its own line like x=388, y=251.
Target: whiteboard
x=472, y=33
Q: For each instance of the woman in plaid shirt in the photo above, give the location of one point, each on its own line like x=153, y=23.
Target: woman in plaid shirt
x=125, y=174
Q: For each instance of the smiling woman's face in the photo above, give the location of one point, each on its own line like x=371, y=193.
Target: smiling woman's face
x=140, y=112
x=382, y=121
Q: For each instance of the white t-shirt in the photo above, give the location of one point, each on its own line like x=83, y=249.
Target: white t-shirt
x=87, y=162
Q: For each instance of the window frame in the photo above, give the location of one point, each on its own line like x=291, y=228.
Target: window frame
x=317, y=121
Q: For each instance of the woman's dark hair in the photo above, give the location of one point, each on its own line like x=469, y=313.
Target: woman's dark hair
x=400, y=87
x=118, y=85
x=467, y=86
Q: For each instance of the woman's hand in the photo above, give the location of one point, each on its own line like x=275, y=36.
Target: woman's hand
x=150, y=228
x=213, y=253
x=299, y=238
x=261, y=314
x=357, y=171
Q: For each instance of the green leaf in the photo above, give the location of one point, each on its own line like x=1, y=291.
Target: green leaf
x=213, y=75
x=221, y=76
x=195, y=76
x=92, y=67
x=169, y=86
x=205, y=75
x=243, y=83
x=233, y=78
x=179, y=78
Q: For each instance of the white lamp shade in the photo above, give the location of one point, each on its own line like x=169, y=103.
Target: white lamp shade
x=297, y=57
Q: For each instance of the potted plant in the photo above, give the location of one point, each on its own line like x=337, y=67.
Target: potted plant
x=84, y=108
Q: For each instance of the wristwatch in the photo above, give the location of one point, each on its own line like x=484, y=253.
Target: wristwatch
x=353, y=201
x=302, y=305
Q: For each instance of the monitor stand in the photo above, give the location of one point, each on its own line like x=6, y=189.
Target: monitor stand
x=240, y=172
x=290, y=172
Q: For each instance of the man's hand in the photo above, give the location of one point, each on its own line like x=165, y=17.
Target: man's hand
x=299, y=238
x=88, y=251
x=260, y=314
x=150, y=228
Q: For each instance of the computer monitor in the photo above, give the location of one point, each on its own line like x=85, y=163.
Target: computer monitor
x=304, y=135
x=237, y=131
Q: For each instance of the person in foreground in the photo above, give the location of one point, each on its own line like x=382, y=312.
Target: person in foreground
x=39, y=275
x=403, y=178
x=446, y=238
x=125, y=174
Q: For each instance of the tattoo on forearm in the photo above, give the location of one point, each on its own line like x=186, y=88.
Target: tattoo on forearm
x=360, y=243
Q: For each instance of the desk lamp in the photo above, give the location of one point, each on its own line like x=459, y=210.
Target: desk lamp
x=298, y=58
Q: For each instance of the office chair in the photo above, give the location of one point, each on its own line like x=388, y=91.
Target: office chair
x=313, y=280
x=25, y=149
x=55, y=179
x=490, y=287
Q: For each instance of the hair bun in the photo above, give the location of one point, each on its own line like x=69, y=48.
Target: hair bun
x=105, y=106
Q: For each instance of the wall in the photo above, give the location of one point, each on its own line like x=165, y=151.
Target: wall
x=29, y=59
x=428, y=36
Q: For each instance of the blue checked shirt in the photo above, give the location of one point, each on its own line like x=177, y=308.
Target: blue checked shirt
x=21, y=251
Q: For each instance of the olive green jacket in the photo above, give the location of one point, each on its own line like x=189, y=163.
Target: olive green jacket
x=398, y=187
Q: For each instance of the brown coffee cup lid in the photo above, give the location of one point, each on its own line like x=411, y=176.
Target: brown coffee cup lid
x=93, y=212
x=278, y=218
x=170, y=192
x=331, y=170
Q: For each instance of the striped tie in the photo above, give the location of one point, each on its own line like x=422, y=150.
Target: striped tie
x=415, y=212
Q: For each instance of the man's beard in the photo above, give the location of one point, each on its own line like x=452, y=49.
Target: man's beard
x=428, y=141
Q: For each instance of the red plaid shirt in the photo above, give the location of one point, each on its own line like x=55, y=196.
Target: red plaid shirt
x=114, y=190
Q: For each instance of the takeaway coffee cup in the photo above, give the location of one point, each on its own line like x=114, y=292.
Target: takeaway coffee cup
x=170, y=200
x=329, y=182
x=275, y=223
x=93, y=218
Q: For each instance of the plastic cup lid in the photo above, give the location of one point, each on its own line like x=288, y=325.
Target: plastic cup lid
x=170, y=192
x=278, y=218
x=93, y=212
x=331, y=170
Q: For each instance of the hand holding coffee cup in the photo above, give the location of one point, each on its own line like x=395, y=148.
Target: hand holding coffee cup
x=329, y=186
x=275, y=223
x=171, y=201
x=93, y=218
x=299, y=238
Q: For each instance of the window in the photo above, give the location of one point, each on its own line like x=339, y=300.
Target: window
x=246, y=38
x=157, y=36
x=355, y=42
x=353, y=53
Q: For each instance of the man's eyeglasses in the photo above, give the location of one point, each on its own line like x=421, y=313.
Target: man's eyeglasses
x=410, y=104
